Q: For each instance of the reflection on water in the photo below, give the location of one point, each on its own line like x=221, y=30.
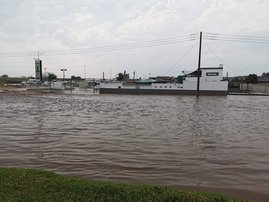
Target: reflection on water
x=169, y=140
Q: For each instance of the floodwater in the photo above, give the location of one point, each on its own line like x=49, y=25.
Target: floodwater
x=220, y=142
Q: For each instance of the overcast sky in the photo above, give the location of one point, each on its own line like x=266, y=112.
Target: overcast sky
x=47, y=25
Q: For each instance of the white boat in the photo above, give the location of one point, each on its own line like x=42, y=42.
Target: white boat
x=211, y=83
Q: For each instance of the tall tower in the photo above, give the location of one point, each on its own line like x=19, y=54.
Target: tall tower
x=38, y=69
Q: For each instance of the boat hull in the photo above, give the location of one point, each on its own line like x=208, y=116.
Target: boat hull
x=160, y=92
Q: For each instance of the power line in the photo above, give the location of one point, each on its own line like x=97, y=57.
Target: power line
x=181, y=58
x=46, y=63
x=119, y=48
x=235, y=35
x=143, y=44
x=117, y=45
x=16, y=66
x=221, y=60
x=87, y=51
x=237, y=38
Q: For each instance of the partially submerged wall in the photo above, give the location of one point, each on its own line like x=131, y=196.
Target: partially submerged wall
x=256, y=88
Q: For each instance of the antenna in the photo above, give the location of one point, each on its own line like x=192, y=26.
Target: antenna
x=84, y=72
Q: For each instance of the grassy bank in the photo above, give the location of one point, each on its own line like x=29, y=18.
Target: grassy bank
x=11, y=80
x=35, y=185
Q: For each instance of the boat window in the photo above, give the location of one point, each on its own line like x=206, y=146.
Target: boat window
x=212, y=74
x=155, y=86
x=170, y=86
x=119, y=86
x=165, y=86
x=160, y=86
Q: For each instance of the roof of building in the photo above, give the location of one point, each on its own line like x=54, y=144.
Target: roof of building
x=211, y=68
x=264, y=79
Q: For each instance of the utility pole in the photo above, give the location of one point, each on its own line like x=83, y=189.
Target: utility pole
x=84, y=72
x=199, y=66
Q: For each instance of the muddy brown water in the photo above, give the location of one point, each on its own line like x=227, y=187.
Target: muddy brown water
x=220, y=142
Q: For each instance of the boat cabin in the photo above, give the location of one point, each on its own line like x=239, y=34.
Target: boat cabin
x=207, y=74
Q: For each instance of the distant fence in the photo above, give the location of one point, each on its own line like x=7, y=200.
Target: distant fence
x=256, y=88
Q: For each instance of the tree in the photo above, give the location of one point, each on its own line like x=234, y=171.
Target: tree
x=4, y=76
x=252, y=78
x=120, y=77
x=264, y=74
x=75, y=77
x=51, y=76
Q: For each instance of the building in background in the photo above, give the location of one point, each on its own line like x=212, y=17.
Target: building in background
x=38, y=69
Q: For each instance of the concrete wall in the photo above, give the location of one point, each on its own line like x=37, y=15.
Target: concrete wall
x=256, y=88
x=84, y=84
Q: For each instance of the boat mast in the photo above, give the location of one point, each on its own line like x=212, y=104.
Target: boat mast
x=199, y=66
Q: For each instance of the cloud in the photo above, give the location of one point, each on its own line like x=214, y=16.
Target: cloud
x=235, y=16
x=31, y=25
x=81, y=17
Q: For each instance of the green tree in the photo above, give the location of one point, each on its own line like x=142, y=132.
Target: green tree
x=120, y=77
x=252, y=78
x=51, y=76
x=264, y=74
x=4, y=76
x=75, y=77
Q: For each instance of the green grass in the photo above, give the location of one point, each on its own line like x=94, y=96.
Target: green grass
x=12, y=80
x=35, y=185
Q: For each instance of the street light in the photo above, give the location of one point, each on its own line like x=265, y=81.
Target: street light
x=63, y=70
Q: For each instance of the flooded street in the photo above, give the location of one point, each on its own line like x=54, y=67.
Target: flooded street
x=220, y=142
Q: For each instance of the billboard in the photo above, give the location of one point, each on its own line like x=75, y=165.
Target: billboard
x=38, y=69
